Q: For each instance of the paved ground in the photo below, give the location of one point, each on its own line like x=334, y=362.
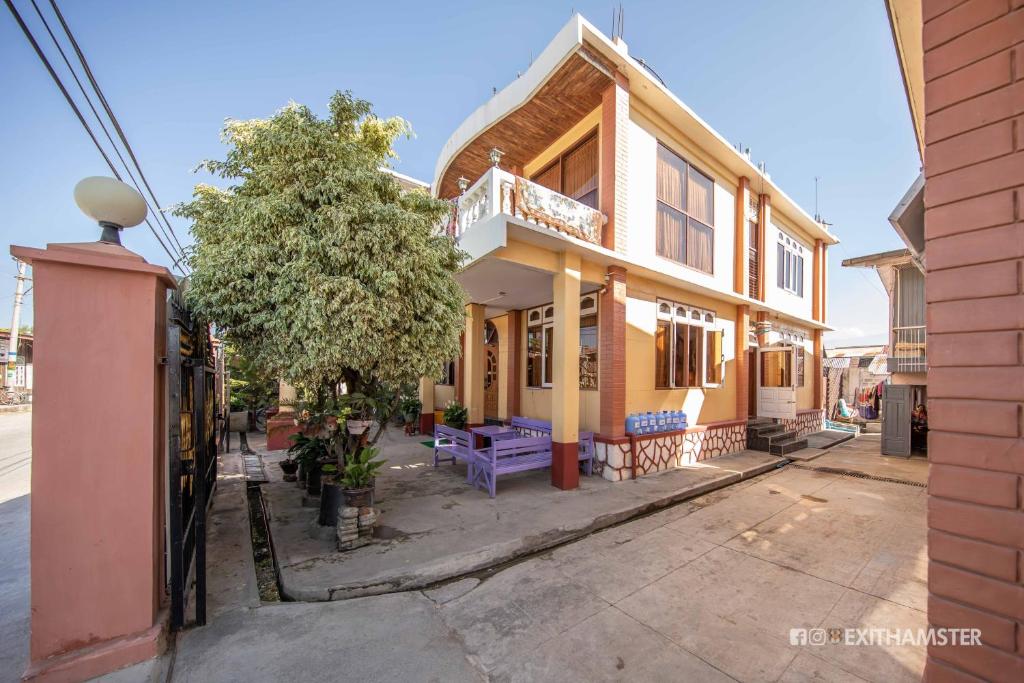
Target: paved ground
x=439, y=527
x=15, y=470
x=706, y=590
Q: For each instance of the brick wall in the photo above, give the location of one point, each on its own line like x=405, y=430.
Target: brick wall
x=974, y=167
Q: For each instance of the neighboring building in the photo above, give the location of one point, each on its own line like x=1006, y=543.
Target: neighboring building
x=626, y=258
x=963, y=67
x=854, y=374
x=23, y=367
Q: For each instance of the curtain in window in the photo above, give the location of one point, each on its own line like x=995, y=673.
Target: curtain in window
x=800, y=277
x=699, y=241
x=694, y=353
x=549, y=354
x=533, y=357
x=780, y=266
x=550, y=177
x=681, y=376
x=670, y=234
x=662, y=360
x=579, y=173
x=910, y=311
x=713, y=360
x=700, y=197
x=671, y=175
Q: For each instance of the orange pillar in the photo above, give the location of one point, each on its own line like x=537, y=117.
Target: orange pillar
x=742, y=367
x=612, y=366
x=98, y=443
x=740, y=260
x=764, y=215
x=816, y=281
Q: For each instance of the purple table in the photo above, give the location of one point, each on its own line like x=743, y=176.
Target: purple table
x=490, y=432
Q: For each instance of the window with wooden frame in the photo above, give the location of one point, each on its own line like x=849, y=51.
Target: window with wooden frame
x=685, y=212
x=790, y=265
x=687, y=347
x=448, y=375
x=797, y=339
x=574, y=173
x=540, y=336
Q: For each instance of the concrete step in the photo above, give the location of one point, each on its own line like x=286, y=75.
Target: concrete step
x=787, y=446
x=764, y=430
x=764, y=441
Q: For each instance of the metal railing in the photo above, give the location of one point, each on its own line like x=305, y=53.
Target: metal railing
x=500, y=192
x=909, y=351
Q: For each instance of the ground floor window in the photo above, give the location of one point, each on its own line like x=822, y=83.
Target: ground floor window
x=448, y=375
x=540, y=339
x=687, y=347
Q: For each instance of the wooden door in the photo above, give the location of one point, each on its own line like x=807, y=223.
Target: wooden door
x=896, y=420
x=490, y=371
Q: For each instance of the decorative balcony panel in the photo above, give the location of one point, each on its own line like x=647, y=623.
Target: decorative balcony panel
x=499, y=192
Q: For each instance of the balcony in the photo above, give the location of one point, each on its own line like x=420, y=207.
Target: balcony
x=499, y=192
x=909, y=350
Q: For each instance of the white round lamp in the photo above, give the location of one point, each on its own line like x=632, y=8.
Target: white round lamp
x=112, y=204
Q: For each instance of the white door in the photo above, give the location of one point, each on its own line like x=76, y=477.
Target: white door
x=776, y=382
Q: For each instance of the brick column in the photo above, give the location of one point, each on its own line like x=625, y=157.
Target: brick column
x=974, y=171
x=614, y=160
x=513, y=340
x=98, y=442
x=612, y=367
x=565, y=390
x=742, y=371
x=475, y=364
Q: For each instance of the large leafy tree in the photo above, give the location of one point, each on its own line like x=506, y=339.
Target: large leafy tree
x=314, y=262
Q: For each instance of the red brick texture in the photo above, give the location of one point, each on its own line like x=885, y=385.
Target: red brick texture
x=974, y=167
x=612, y=350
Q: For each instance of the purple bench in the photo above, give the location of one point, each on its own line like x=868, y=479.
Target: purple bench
x=527, y=426
x=505, y=456
x=454, y=444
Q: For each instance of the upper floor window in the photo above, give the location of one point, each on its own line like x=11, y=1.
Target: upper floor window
x=686, y=212
x=574, y=173
x=790, y=265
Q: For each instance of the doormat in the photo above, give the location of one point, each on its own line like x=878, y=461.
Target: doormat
x=428, y=444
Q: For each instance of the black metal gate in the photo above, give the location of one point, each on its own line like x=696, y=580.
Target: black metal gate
x=192, y=455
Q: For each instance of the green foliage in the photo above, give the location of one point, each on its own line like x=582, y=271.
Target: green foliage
x=314, y=261
x=455, y=415
x=360, y=469
x=328, y=471
x=252, y=387
x=360, y=406
x=410, y=408
x=308, y=449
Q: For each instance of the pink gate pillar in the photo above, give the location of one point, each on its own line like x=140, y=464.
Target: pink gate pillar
x=98, y=460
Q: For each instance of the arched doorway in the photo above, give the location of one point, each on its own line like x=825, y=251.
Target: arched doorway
x=490, y=371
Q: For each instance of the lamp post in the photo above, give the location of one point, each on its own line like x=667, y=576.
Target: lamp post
x=495, y=156
x=463, y=183
x=112, y=204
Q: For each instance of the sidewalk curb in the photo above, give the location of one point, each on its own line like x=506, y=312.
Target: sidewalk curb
x=464, y=564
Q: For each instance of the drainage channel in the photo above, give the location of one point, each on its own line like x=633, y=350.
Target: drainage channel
x=860, y=475
x=264, y=558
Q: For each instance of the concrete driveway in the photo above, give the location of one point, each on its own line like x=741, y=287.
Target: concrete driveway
x=15, y=471
x=707, y=590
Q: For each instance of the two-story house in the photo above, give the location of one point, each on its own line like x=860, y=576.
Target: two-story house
x=625, y=258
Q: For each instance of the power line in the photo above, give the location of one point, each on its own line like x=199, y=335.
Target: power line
x=110, y=113
x=78, y=113
x=99, y=120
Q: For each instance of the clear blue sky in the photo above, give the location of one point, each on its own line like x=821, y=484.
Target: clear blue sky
x=813, y=88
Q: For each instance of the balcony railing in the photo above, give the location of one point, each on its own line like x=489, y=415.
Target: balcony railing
x=500, y=192
x=909, y=350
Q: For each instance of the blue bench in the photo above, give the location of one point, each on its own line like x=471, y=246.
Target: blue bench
x=505, y=456
x=528, y=426
x=454, y=444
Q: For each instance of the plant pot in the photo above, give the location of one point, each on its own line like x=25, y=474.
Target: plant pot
x=238, y=421
x=302, y=476
x=331, y=501
x=358, y=498
x=289, y=466
x=357, y=427
x=313, y=479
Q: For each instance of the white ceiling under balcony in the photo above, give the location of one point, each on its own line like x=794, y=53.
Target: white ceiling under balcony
x=504, y=286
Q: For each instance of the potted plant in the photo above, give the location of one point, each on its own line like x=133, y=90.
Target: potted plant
x=311, y=452
x=357, y=480
x=410, y=408
x=289, y=467
x=332, y=499
x=362, y=410
x=455, y=415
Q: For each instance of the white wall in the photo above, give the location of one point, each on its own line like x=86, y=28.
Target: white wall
x=642, y=214
x=775, y=296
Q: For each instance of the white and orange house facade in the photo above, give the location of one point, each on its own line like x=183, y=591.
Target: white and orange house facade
x=625, y=258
